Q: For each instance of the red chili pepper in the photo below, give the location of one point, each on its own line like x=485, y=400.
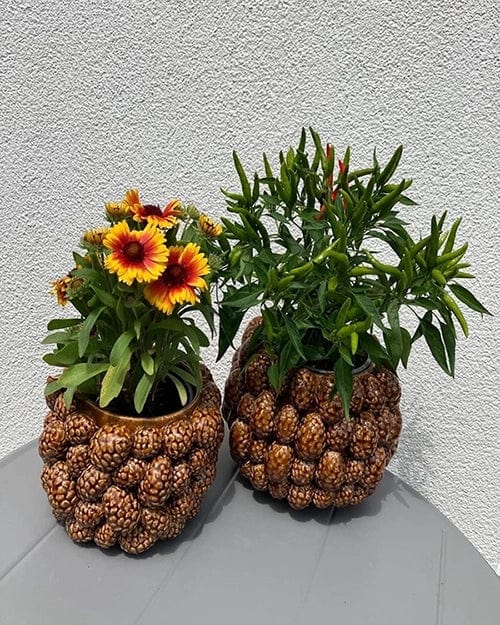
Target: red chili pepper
x=329, y=180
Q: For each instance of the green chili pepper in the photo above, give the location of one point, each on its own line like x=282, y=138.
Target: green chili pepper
x=446, y=258
x=438, y=277
x=359, y=326
x=363, y=271
x=420, y=261
x=418, y=246
x=392, y=271
x=451, y=237
x=283, y=283
x=303, y=269
x=354, y=342
x=453, y=306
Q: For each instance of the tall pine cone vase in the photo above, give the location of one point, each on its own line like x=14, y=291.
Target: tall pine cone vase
x=129, y=481
x=297, y=445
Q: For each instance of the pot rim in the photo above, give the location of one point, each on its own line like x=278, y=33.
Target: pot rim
x=102, y=416
x=367, y=365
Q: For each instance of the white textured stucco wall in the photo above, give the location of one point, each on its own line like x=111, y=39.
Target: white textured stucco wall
x=101, y=95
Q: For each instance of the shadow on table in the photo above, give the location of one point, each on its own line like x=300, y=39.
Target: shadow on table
x=210, y=510
x=390, y=486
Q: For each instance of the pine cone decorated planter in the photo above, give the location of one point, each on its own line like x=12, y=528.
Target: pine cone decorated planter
x=297, y=445
x=129, y=481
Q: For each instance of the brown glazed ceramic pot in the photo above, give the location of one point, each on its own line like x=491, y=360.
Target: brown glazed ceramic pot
x=296, y=444
x=129, y=481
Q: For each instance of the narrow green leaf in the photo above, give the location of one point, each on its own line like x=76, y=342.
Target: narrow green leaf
x=343, y=383
x=366, y=304
x=406, y=346
x=142, y=391
x=88, y=324
x=465, y=296
x=186, y=376
x=106, y=298
x=63, y=357
x=294, y=336
x=121, y=347
x=229, y=323
x=113, y=381
x=58, y=337
x=435, y=343
x=147, y=363
x=388, y=171
x=68, y=395
x=245, y=185
x=181, y=389
x=246, y=297
x=449, y=338
x=76, y=374
x=58, y=324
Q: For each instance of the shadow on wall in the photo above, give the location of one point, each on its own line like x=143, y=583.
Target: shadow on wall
x=414, y=461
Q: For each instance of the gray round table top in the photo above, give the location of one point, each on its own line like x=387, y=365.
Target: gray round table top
x=245, y=559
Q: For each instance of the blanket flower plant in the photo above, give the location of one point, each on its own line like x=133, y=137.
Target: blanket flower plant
x=137, y=287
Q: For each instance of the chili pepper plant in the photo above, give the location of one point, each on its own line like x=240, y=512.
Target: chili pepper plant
x=325, y=253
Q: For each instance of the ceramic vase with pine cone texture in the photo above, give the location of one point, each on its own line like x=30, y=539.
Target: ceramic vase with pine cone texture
x=297, y=445
x=129, y=481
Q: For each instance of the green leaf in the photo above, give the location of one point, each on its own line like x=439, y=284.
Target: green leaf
x=58, y=324
x=121, y=347
x=58, y=337
x=406, y=346
x=388, y=171
x=112, y=383
x=76, y=374
x=63, y=357
x=244, y=298
x=142, y=391
x=229, y=323
x=245, y=186
x=147, y=363
x=449, y=338
x=106, y=298
x=366, y=304
x=87, y=326
x=181, y=389
x=465, y=296
x=68, y=395
x=394, y=345
x=186, y=376
x=435, y=343
x=393, y=317
x=273, y=375
x=294, y=336
x=343, y=383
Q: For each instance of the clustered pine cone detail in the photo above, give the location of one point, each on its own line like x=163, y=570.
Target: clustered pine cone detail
x=116, y=485
x=298, y=445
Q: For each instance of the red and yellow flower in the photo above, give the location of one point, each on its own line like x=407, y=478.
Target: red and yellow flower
x=60, y=289
x=135, y=254
x=166, y=218
x=179, y=282
x=95, y=236
x=209, y=227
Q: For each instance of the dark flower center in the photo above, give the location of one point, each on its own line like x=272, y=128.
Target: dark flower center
x=151, y=209
x=174, y=275
x=133, y=251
